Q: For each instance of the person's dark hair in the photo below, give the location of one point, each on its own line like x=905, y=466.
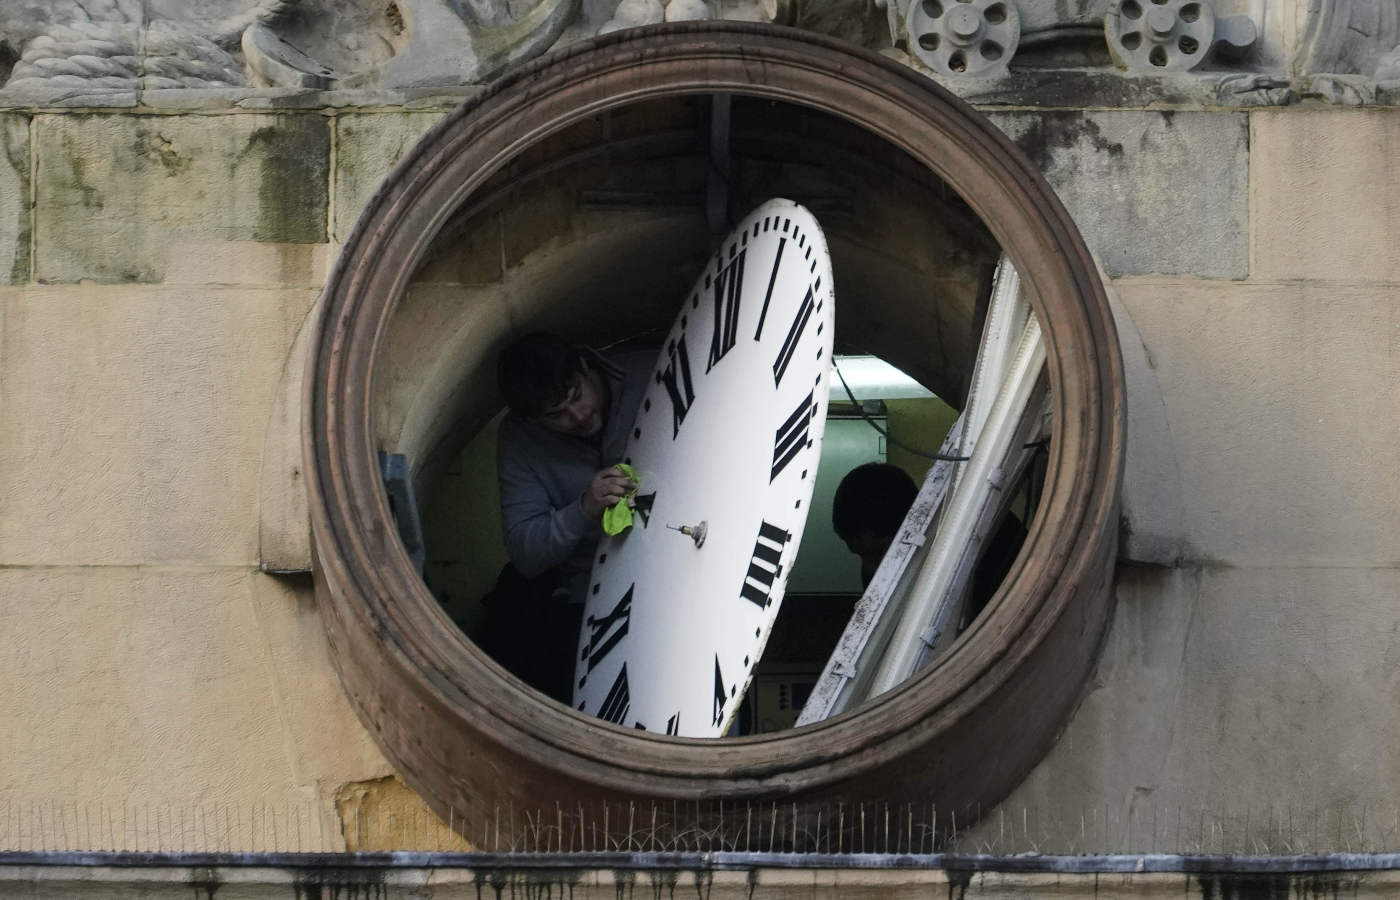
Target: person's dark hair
x=535, y=372
x=872, y=499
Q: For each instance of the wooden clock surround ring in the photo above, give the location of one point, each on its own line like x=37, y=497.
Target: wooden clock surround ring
x=469, y=736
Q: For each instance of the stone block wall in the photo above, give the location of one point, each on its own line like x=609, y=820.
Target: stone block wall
x=156, y=268
x=1247, y=686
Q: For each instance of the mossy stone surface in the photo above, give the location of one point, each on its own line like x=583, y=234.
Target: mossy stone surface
x=121, y=194
x=16, y=215
x=367, y=147
x=1153, y=192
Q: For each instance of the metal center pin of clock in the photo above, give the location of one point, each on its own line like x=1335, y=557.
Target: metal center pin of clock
x=727, y=441
x=696, y=532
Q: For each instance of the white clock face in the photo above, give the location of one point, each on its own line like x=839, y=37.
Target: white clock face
x=726, y=440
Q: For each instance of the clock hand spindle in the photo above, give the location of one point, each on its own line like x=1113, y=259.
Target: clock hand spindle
x=696, y=532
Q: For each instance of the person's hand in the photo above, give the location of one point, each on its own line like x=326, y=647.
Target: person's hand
x=606, y=488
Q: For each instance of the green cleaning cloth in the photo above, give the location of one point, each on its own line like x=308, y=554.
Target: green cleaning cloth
x=618, y=517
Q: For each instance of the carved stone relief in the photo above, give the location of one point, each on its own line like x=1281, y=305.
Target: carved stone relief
x=1253, y=52
x=324, y=44
x=1243, y=52
x=1349, y=48
x=1150, y=36
x=108, y=44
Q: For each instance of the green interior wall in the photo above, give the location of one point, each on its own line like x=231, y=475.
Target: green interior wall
x=462, y=529
x=922, y=424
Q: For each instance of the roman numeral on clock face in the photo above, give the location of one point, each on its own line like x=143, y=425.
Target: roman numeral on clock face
x=645, y=502
x=619, y=698
x=604, y=633
x=763, y=565
x=727, y=286
x=676, y=378
x=791, y=437
x=799, y=323
x=720, y=694
x=768, y=295
x=673, y=724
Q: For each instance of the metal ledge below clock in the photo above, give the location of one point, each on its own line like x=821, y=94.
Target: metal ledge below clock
x=961, y=733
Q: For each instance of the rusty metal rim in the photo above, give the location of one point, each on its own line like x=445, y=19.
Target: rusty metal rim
x=383, y=623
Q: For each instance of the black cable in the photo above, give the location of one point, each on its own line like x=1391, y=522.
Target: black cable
x=884, y=431
x=1040, y=444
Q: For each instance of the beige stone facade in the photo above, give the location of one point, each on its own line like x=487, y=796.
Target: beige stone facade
x=160, y=646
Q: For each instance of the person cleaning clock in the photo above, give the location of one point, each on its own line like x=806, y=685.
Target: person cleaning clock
x=570, y=409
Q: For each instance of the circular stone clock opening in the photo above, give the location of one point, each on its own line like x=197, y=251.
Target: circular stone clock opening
x=600, y=240
x=583, y=196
